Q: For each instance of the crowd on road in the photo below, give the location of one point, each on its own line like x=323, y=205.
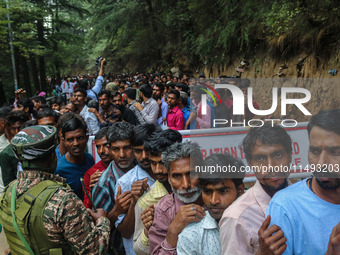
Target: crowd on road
x=144, y=195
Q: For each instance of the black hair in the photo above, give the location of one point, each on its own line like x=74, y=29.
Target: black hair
x=245, y=83
x=146, y=89
x=183, y=86
x=39, y=99
x=266, y=135
x=73, y=124
x=171, y=85
x=131, y=93
x=29, y=123
x=326, y=119
x=235, y=173
x=93, y=104
x=160, y=140
x=160, y=86
x=184, y=97
x=105, y=92
x=47, y=113
x=143, y=133
x=55, y=100
x=101, y=133
x=15, y=116
x=81, y=90
x=25, y=102
x=116, y=93
x=175, y=92
x=82, y=84
x=4, y=111
x=120, y=131
x=44, y=106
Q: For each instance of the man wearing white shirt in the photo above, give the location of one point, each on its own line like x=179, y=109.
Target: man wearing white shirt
x=90, y=118
x=149, y=107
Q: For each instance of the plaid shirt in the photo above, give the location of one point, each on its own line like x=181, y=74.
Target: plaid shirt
x=137, y=113
x=103, y=193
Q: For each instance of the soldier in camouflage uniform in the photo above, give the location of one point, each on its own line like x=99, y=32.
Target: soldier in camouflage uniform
x=62, y=225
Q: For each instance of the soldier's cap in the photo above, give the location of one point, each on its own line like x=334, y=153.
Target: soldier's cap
x=112, y=86
x=34, y=142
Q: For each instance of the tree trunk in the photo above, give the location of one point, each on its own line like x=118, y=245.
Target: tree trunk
x=42, y=68
x=27, y=81
x=34, y=72
x=2, y=93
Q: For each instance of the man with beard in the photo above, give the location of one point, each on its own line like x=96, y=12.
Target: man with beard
x=265, y=147
x=125, y=113
x=108, y=114
x=144, y=209
x=104, y=152
x=175, y=211
x=175, y=118
x=149, y=107
x=137, y=180
x=219, y=190
x=9, y=164
x=308, y=210
x=157, y=94
x=120, y=137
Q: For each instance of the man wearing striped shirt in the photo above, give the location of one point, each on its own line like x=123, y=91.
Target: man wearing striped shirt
x=120, y=137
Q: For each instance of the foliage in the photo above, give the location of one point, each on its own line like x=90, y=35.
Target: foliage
x=58, y=37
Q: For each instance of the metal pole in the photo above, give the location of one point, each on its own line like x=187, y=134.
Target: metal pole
x=12, y=50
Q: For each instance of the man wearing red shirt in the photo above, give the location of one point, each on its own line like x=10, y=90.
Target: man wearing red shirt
x=175, y=117
x=104, y=152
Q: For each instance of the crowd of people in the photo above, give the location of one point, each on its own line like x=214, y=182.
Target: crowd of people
x=169, y=101
x=144, y=195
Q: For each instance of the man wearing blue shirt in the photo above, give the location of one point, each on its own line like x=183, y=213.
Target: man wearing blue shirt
x=74, y=164
x=157, y=94
x=308, y=211
x=137, y=180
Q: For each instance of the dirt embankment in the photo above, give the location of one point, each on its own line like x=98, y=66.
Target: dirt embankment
x=303, y=72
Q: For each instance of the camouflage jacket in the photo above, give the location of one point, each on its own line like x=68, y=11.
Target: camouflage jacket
x=65, y=217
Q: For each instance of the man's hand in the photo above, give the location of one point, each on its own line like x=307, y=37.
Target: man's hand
x=138, y=106
x=19, y=93
x=101, y=70
x=122, y=202
x=334, y=241
x=116, y=111
x=272, y=239
x=147, y=218
x=185, y=215
x=95, y=215
x=138, y=188
x=94, y=178
x=94, y=110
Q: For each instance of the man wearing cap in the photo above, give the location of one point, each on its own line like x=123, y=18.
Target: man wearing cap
x=39, y=212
